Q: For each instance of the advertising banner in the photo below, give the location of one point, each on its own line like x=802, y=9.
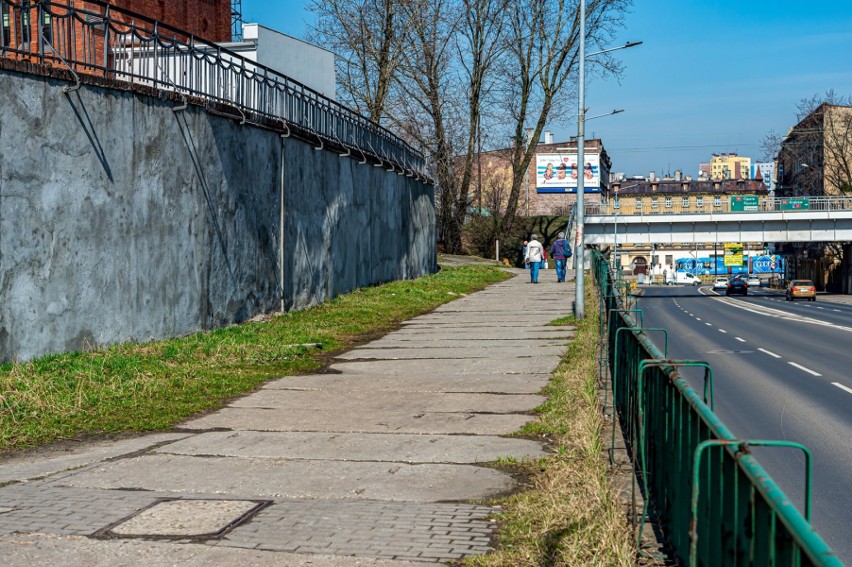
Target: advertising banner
x=557, y=173
x=733, y=254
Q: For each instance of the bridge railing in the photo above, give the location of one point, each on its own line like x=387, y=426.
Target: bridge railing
x=100, y=39
x=760, y=205
x=715, y=502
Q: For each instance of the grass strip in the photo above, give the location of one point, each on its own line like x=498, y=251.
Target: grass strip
x=155, y=385
x=569, y=514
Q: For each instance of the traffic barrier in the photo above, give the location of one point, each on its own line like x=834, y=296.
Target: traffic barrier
x=715, y=503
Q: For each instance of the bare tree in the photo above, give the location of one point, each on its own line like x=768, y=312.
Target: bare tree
x=368, y=37
x=544, y=44
x=443, y=83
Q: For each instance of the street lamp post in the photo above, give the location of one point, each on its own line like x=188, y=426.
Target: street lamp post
x=616, y=265
x=579, y=246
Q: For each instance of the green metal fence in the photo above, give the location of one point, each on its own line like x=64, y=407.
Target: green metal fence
x=716, y=504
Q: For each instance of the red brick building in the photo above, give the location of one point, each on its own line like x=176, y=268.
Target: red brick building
x=206, y=19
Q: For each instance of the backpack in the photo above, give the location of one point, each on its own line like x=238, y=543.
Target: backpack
x=566, y=248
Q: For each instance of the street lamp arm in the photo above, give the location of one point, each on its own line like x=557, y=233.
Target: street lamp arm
x=605, y=114
x=625, y=46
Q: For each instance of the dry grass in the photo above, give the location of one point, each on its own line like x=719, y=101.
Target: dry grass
x=570, y=514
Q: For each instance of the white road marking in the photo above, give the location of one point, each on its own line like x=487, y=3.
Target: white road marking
x=739, y=339
x=836, y=310
x=697, y=318
x=708, y=324
x=808, y=370
x=842, y=387
x=770, y=353
x=722, y=331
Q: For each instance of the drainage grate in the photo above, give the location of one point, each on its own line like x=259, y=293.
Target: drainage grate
x=175, y=518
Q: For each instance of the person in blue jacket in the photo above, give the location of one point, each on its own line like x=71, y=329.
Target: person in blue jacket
x=560, y=252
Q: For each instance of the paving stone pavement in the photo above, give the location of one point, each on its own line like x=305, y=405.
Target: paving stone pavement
x=381, y=460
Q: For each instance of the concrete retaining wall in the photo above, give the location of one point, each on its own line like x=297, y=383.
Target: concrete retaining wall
x=121, y=220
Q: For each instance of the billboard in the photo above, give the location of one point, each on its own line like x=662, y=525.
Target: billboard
x=733, y=254
x=557, y=173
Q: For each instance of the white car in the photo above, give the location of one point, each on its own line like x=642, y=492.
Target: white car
x=753, y=281
x=720, y=283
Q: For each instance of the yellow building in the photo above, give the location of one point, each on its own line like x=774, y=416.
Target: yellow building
x=675, y=197
x=729, y=166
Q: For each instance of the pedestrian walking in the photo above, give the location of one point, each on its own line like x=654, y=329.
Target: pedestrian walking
x=560, y=252
x=534, y=256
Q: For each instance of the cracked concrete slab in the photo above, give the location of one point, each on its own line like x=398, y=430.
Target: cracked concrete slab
x=307, y=419
x=355, y=447
x=444, y=366
x=29, y=465
x=485, y=383
x=389, y=403
x=403, y=354
x=280, y=478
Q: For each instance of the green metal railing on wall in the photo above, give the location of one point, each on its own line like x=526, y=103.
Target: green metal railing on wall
x=716, y=504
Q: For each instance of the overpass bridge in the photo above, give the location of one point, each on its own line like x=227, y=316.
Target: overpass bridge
x=773, y=219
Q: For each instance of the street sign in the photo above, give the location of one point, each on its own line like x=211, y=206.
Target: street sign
x=744, y=203
x=795, y=203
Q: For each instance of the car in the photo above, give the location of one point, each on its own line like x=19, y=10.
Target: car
x=720, y=283
x=753, y=281
x=736, y=285
x=800, y=289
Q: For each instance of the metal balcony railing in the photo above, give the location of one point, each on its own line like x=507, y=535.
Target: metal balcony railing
x=100, y=39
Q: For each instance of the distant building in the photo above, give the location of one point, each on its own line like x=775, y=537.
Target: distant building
x=550, y=182
x=766, y=172
x=679, y=195
x=672, y=195
x=816, y=154
x=309, y=64
x=730, y=166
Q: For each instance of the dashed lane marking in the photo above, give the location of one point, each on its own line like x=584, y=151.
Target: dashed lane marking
x=739, y=339
x=770, y=353
x=842, y=387
x=805, y=369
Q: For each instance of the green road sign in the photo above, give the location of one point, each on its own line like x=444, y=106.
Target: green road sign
x=744, y=203
x=795, y=203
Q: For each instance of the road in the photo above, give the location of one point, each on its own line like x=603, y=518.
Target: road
x=783, y=371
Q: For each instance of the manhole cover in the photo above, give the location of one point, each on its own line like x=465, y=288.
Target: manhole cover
x=184, y=519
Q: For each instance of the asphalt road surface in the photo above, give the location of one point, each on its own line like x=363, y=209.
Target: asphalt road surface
x=783, y=371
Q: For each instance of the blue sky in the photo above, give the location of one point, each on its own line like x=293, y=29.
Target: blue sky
x=711, y=75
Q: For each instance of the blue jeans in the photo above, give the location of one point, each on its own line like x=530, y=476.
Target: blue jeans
x=560, y=270
x=534, y=266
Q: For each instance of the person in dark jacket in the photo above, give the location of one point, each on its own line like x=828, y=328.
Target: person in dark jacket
x=560, y=252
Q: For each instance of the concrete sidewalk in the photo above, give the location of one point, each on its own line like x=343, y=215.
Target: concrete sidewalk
x=377, y=461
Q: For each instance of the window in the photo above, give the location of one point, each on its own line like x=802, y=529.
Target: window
x=685, y=202
x=668, y=204
x=717, y=201
x=699, y=201
x=639, y=204
x=617, y=205
x=654, y=203
x=25, y=22
x=6, y=23
x=46, y=28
